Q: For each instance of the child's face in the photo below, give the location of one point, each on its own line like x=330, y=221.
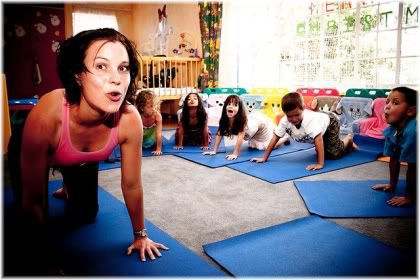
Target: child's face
x=396, y=108
x=295, y=116
x=148, y=109
x=232, y=109
x=192, y=100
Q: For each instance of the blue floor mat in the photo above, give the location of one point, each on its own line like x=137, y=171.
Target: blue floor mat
x=98, y=249
x=293, y=165
x=168, y=145
x=351, y=199
x=105, y=165
x=309, y=246
x=245, y=155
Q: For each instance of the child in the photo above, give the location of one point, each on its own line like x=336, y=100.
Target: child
x=147, y=105
x=192, y=130
x=234, y=121
x=304, y=125
x=400, y=142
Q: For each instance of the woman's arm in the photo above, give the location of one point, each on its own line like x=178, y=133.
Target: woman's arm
x=158, y=150
x=131, y=185
x=39, y=136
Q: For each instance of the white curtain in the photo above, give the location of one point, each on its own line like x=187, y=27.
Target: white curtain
x=88, y=18
x=250, y=40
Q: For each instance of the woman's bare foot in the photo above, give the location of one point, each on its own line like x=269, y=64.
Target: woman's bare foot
x=383, y=187
x=399, y=201
x=61, y=193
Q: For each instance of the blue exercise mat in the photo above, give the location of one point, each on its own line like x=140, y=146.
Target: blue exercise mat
x=99, y=249
x=168, y=147
x=293, y=165
x=305, y=247
x=351, y=199
x=246, y=154
x=109, y=165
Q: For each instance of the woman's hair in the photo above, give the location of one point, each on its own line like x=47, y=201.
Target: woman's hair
x=72, y=52
x=291, y=101
x=144, y=97
x=240, y=118
x=201, y=112
x=409, y=94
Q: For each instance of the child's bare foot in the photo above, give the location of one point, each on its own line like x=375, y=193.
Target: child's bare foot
x=383, y=187
x=60, y=193
x=284, y=140
x=399, y=201
x=349, y=145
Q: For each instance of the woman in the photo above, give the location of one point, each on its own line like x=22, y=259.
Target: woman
x=76, y=127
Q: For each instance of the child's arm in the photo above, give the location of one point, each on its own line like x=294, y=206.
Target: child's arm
x=158, y=150
x=180, y=131
x=394, y=172
x=238, y=145
x=411, y=181
x=410, y=195
x=216, y=145
x=205, y=137
x=319, y=148
x=269, y=149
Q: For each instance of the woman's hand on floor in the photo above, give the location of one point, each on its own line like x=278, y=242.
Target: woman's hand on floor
x=145, y=245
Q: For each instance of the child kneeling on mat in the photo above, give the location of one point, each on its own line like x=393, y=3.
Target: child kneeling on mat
x=302, y=125
x=400, y=142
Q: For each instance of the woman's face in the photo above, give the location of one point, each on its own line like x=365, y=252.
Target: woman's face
x=105, y=83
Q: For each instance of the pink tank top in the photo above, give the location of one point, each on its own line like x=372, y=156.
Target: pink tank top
x=66, y=154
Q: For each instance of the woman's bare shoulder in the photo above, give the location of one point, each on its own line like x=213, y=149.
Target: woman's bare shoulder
x=130, y=123
x=49, y=107
x=51, y=100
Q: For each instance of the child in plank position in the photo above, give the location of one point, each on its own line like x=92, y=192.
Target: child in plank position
x=255, y=129
x=320, y=128
x=192, y=130
x=400, y=142
x=147, y=104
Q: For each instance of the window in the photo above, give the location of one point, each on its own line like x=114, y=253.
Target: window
x=324, y=44
x=86, y=19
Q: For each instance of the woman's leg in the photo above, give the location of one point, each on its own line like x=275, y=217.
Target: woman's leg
x=82, y=192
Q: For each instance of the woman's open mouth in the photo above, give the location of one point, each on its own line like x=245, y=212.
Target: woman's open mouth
x=115, y=96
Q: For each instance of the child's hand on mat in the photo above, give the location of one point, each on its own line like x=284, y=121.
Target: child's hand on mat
x=179, y=147
x=315, y=166
x=258, y=160
x=145, y=245
x=205, y=148
x=399, y=201
x=209, y=153
x=157, y=153
x=383, y=187
x=231, y=157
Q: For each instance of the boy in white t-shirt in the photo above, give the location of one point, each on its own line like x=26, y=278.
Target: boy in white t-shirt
x=302, y=125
